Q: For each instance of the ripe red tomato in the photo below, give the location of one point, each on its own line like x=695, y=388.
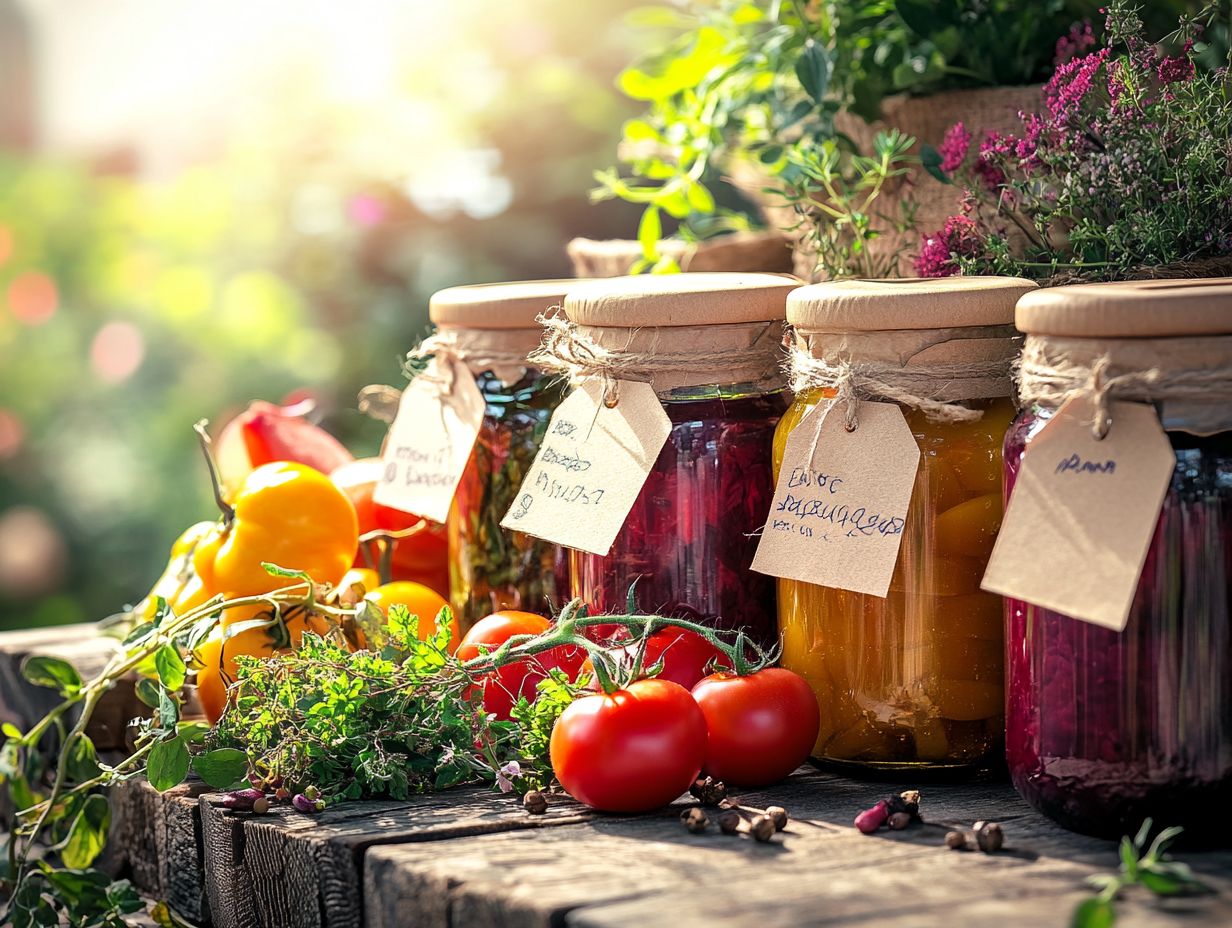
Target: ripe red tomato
x=632, y=750
x=502, y=687
x=761, y=727
x=686, y=656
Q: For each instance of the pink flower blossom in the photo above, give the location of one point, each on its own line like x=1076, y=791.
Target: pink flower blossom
x=994, y=147
x=1069, y=47
x=954, y=147
x=1069, y=86
x=959, y=238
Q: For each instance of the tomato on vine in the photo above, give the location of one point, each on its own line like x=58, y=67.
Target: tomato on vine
x=761, y=726
x=502, y=687
x=631, y=750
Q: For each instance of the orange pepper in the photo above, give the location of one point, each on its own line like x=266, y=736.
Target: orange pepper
x=180, y=581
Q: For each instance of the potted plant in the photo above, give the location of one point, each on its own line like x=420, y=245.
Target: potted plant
x=812, y=106
x=1121, y=172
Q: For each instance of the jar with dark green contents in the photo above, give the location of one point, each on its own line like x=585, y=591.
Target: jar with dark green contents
x=491, y=568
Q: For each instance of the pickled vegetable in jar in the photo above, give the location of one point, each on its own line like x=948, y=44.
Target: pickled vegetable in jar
x=913, y=680
x=1107, y=728
x=710, y=344
x=492, y=568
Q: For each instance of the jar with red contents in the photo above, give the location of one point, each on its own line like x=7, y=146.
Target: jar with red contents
x=1107, y=728
x=690, y=537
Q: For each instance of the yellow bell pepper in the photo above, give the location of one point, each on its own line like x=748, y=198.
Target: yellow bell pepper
x=180, y=580
x=285, y=514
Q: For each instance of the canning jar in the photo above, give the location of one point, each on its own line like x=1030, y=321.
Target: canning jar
x=912, y=680
x=1106, y=728
x=711, y=346
x=493, y=327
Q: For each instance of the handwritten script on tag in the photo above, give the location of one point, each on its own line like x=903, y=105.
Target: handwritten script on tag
x=430, y=441
x=837, y=520
x=1082, y=513
x=591, y=467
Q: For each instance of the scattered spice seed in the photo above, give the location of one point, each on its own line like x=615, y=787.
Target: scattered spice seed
x=955, y=840
x=244, y=800
x=762, y=828
x=899, y=820
x=778, y=815
x=870, y=820
x=535, y=802
x=989, y=836
x=729, y=822
x=695, y=820
x=709, y=791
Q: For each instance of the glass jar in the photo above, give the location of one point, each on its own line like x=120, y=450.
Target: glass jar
x=690, y=537
x=492, y=568
x=914, y=680
x=1106, y=728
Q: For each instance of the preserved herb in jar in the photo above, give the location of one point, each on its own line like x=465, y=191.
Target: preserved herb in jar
x=913, y=679
x=710, y=345
x=1106, y=728
x=493, y=328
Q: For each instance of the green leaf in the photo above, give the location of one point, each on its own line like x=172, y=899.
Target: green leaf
x=139, y=633
x=11, y=731
x=168, y=710
x=923, y=17
x=88, y=833
x=1093, y=913
x=170, y=665
x=221, y=768
x=1129, y=857
x=1163, y=884
x=82, y=761
x=930, y=159
x=53, y=673
x=275, y=571
x=149, y=691
x=649, y=231
x=813, y=68
x=168, y=764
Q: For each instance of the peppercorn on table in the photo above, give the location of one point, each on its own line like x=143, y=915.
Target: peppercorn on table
x=471, y=857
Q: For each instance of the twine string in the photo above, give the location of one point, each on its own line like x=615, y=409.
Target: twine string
x=1049, y=379
x=566, y=351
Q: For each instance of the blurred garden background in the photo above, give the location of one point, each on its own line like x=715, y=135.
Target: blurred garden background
x=203, y=204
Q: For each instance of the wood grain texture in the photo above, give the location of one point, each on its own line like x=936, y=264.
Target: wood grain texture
x=156, y=843
x=649, y=871
x=287, y=868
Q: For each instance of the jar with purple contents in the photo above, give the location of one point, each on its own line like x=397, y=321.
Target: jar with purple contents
x=711, y=345
x=1107, y=728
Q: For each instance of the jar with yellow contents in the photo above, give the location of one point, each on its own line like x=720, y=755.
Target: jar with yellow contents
x=913, y=680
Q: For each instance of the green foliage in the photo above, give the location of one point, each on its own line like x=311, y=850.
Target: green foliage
x=1152, y=869
x=836, y=195
x=385, y=723
x=748, y=79
x=535, y=721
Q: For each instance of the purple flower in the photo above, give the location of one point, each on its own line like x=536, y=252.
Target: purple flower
x=954, y=147
x=507, y=774
x=994, y=147
x=1177, y=69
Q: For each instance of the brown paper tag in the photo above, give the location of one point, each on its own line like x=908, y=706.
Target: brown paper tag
x=838, y=520
x=591, y=467
x=1083, y=512
x=430, y=440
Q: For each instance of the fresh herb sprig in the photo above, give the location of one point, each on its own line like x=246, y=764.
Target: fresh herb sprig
x=1152, y=869
x=63, y=807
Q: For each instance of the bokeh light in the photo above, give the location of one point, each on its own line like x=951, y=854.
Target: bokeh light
x=33, y=297
x=117, y=351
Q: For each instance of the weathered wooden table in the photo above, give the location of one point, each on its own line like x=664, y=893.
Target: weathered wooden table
x=471, y=857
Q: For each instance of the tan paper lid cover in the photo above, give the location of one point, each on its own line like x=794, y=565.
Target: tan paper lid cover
x=906, y=303
x=1128, y=309
x=679, y=299
x=512, y=305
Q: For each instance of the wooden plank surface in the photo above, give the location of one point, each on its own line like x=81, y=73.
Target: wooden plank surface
x=288, y=868
x=649, y=871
